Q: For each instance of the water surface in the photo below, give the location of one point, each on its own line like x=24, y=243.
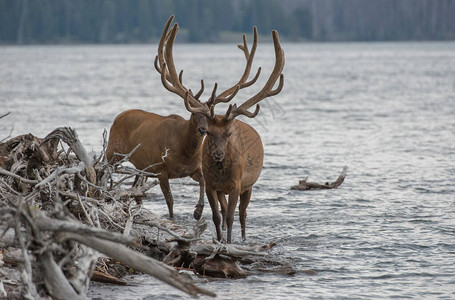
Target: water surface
x=386, y=110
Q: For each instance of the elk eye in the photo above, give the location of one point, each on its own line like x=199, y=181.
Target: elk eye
x=202, y=130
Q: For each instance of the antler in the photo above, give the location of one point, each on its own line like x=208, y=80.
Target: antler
x=173, y=82
x=164, y=64
x=230, y=93
x=267, y=91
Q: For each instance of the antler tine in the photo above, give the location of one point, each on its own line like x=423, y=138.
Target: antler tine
x=181, y=77
x=213, y=96
x=197, y=110
x=157, y=67
x=164, y=35
x=163, y=39
x=278, y=89
x=166, y=84
x=214, y=101
x=249, y=56
x=230, y=108
x=200, y=91
x=267, y=90
x=234, y=111
x=248, y=83
x=169, y=58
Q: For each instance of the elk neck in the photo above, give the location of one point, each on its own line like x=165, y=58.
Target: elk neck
x=191, y=136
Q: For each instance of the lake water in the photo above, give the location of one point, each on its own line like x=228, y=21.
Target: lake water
x=385, y=110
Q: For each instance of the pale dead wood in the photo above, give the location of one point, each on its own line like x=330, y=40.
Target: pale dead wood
x=55, y=281
x=106, y=278
x=30, y=291
x=59, y=222
x=25, y=180
x=47, y=224
x=32, y=222
x=141, y=263
x=304, y=185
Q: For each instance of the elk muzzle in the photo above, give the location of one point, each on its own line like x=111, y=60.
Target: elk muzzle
x=218, y=156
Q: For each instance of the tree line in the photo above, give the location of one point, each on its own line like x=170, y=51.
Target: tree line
x=118, y=21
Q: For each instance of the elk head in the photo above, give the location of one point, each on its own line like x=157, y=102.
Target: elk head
x=223, y=137
x=164, y=64
x=220, y=130
x=220, y=127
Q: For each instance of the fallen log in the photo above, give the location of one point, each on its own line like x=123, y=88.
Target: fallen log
x=107, y=278
x=139, y=262
x=304, y=185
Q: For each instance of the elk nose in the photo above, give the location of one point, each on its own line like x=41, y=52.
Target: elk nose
x=217, y=156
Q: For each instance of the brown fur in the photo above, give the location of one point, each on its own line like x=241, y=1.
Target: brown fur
x=234, y=173
x=157, y=135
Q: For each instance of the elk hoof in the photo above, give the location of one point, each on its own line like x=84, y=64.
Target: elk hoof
x=196, y=215
x=198, y=212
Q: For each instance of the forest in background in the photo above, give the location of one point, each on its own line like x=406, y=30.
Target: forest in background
x=141, y=21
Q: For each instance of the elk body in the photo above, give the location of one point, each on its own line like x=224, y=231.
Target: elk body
x=232, y=155
x=159, y=135
x=232, y=162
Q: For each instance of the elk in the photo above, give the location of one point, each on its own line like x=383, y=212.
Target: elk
x=232, y=154
x=157, y=135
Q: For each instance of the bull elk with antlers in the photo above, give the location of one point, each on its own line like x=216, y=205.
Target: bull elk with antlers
x=179, y=140
x=232, y=154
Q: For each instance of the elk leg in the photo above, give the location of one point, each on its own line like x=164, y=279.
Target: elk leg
x=138, y=181
x=213, y=201
x=244, y=201
x=166, y=189
x=197, y=176
x=232, y=204
x=223, y=204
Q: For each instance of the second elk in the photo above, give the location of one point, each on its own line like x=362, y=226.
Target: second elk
x=232, y=154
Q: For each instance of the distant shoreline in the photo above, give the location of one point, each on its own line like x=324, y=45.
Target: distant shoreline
x=262, y=40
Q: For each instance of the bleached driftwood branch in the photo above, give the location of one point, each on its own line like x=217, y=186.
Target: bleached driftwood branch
x=304, y=185
x=54, y=182
x=141, y=263
x=66, y=210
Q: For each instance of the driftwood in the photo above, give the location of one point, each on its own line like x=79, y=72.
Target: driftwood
x=66, y=215
x=107, y=278
x=304, y=185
